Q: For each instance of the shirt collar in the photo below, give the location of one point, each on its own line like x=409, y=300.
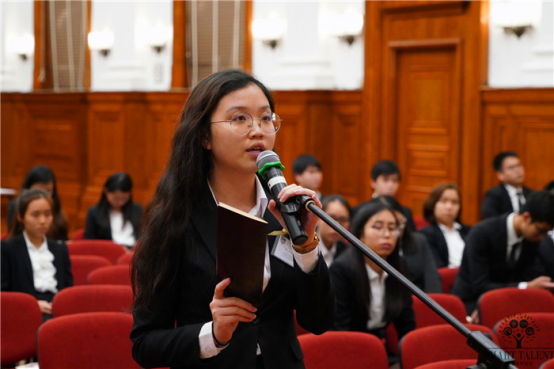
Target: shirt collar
x=457, y=226
x=373, y=275
x=513, y=238
x=512, y=191
x=43, y=245
x=261, y=199
x=323, y=249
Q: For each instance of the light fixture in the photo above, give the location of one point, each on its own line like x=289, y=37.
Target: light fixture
x=156, y=37
x=270, y=31
x=101, y=41
x=515, y=17
x=348, y=26
x=24, y=46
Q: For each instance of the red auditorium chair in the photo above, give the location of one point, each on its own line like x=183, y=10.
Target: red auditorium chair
x=448, y=276
x=450, y=364
x=426, y=317
x=92, y=298
x=351, y=350
x=497, y=304
x=548, y=365
x=21, y=318
x=420, y=222
x=78, y=235
x=82, y=265
x=537, y=335
x=113, y=274
x=437, y=343
x=86, y=341
x=125, y=259
x=108, y=249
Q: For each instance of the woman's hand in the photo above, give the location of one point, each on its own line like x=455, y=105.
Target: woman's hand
x=227, y=312
x=309, y=219
x=45, y=306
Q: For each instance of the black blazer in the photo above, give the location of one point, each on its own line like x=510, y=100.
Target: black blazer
x=437, y=242
x=17, y=270
x=405, y=210
x=347, y=273
x=484, y=266
x=546, y=257
x=420, y=265
x=167, y=335
x=94, y=230
x=497, y=201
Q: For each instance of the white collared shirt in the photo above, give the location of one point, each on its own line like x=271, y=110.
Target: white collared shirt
x=122, y=234
x=454, y=242
x=306, y=262
x=328, y=254
x=42, y=261
x=512, y=192
x=513, y=238
x=377, y=298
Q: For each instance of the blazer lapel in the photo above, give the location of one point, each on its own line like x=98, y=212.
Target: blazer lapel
x=204, y=220
x=25, y=259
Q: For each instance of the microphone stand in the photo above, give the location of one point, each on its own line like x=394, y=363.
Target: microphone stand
x=490, y=355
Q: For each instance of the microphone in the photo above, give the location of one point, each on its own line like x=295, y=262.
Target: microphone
x=270, y=169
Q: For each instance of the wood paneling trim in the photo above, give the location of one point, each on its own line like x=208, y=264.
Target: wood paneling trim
x=179, y=68
x=38, y=13
x=520, y=95
x=247, y=65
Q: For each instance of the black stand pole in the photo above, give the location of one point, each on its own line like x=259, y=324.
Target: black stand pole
x=490, y=355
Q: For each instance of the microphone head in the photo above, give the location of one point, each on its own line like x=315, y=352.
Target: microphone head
x=267, y=157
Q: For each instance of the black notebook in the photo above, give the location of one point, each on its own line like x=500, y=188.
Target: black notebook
x=241, y=243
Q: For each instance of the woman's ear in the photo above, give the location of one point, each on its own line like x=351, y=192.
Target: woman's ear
x=18, y=217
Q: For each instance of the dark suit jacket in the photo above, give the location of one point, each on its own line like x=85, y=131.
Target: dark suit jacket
x=484, y=266
x=437, y=242
x=497, y=201
x=420, y=265
x=167, y=335
x=405, y=210
x=348, y=272
x=17, y=270
x=94, y=230
x=546, y=257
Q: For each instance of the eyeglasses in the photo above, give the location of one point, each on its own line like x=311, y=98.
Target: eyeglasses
x=341, y=220
x=382, y=231
x=241, y=123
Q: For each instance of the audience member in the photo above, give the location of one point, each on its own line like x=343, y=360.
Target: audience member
x=116, y=217
x=415, y=252
x=336, y=207
x=385, y=180
x=41, y=177
x=367, y=299
x=31, y=262
x=502, y=251
x=446, y=234
x=510, y=194
x=307, y=173
x=546, y=248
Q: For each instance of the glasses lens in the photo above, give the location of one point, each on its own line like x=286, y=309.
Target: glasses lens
x=270, y=123
x=241, y=123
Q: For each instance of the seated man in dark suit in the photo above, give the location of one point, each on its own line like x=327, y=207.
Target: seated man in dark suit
x=509, y=195
x=385, y=180
x=546, y=248
x=502, y=251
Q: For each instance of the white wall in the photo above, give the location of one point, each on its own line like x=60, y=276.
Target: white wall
x=131, y=65
x=307, y=57
x=17, y=19
x=527, y=61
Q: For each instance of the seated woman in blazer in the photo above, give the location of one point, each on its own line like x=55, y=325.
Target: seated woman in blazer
x=116, y=217
x=446, y=235
x=367, y=299
x=31, y=262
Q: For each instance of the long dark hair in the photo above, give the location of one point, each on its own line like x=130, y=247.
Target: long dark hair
x=396, y=296
x=165, y=237
x=22, y=204
x=434, y=197
x=118, y=181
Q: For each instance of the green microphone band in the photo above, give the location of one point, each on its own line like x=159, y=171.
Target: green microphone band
x=278, y=164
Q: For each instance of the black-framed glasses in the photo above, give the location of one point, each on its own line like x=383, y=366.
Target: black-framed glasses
x=241, y=123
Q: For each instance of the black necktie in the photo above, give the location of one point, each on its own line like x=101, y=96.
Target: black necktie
x=519, y=195
x=512, y=260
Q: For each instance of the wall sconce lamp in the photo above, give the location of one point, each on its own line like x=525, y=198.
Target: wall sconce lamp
x=156, y=37
x=516, y=17
x=24, y=46
x=348, y=26
x=269, y=31
x=517, y=30
x=101, y=41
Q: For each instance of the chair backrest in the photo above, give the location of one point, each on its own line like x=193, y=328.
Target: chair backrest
x=448, y=276
x=78, y=235
x=86, y=341
x=108, y=249
x=548, y=365
x=92, y=298
x=113, y=274
x=21, y=318
x=351, y=350
x=528, y=336
x=426, y=317
x=125, y=258
x=437, y=343
x=497, y=304
x=450, y=364
x=82, y=265
x=420, y=222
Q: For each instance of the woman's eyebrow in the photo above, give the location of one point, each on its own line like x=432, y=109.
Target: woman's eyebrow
x=245, y=108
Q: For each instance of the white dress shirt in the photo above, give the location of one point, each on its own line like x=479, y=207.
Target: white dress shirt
x=512, y=191
x=42, y=261
x=306, y=262
x=122, y=234
x=377, y=298
x=328, y=254
x=454, y=242
x=513, y=238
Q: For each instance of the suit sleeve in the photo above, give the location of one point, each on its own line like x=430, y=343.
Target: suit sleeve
x=6, y=284
x=343, y=297
x=91, y=226
x=431, y=278
x=68, y=275
x=315, y=298
x=489, y=206
x=433, y=246
x=406, y=320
